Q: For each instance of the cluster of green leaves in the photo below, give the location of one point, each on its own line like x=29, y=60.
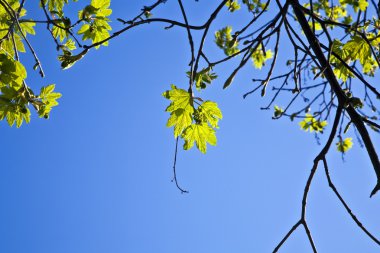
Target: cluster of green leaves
x=48, y=99
x=259, y=57
x=355, y=49
x=233, y=5
x=338, y=11
x=56, y=6
x=203, y=78
x=7, y=23
x=226, y=41
x=344, y=145
x=96, y=26
x=358, y=49
x=62, y=24
x=254, y=6
x=12, y=72
x=13, y=106
x=335, y=13
x=340, y=70
x=193, y=124
x=16, y=97
x=94, y=17
x=355, y=4
x=310, y=123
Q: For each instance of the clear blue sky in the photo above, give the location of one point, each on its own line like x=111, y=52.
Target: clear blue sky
x=96, y=177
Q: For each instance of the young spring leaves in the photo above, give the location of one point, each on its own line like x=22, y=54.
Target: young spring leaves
x=180, y=109
x=48, y=99
x=201, y=134
x=312, y=124
x=254, y=6
x=15, y=96
x=233, y=5
x=12, y=72
x=193, y=125
x=203, y=78
x=259, y=57
x=226, y=41
x=96, y=25
x=344, y=145
x=340, y=70
x=229, y=42
x=6, y=23
x=13, y=105
x=354, y=49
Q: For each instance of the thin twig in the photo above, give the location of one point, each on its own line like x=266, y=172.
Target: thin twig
x=174, y=168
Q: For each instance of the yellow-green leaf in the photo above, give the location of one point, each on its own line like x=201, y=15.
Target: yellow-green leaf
x=311, y=124
x=201, y=134
x=209, y=112
x=344, y=145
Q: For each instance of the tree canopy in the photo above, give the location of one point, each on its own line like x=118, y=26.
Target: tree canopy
x=329, y=48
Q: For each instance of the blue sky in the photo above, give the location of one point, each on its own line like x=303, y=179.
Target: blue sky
x=96, y=177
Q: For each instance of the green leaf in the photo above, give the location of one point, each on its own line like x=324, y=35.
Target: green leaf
x=47, y=90
x=8, y=47
x=28, y=27
x=96, y=27
x=254, y=6
x=278, y=111
x=13, y=106
x=48, y=99
x=181, y=99
x=56, y=5
x=311, y=124
x=259, y=57
x=340, y=70
x=97, y=31
x=70, y=45
x=344, y=145
x=203, y=78
x=358, y=49
x=11, y=118
x=180, y=119
x=226, y=41
x=101, y=4
x=182, y=115
x=362, y=4
x=180, y=109
x=61, y=29
x=208, y=112
x=201, y=134
x=233, y=5
x=12, y=72
x=317, y=26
